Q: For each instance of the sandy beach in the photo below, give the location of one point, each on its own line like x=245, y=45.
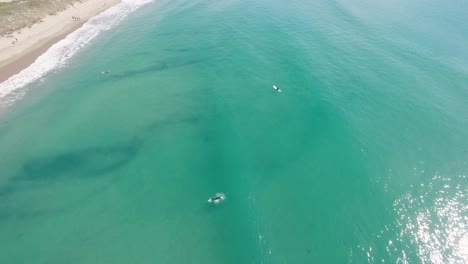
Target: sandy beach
x=21, y=48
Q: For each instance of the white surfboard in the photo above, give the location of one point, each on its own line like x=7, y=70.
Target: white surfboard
x=217, y=198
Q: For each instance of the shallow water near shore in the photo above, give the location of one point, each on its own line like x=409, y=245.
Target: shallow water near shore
x=361, y=159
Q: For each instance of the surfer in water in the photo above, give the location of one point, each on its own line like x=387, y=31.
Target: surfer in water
x=217, y=198
x=277, y=88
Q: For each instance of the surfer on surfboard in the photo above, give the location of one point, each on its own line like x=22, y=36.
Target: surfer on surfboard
x=217, y=198
x=277, y=88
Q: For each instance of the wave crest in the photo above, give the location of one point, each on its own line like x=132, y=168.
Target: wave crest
x=58, y=54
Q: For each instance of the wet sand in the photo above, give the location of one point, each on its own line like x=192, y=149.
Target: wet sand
x=23, y=47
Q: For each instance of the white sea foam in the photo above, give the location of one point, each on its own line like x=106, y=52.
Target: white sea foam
x=59, y=53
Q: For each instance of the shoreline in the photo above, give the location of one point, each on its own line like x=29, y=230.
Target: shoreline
x=34, y=41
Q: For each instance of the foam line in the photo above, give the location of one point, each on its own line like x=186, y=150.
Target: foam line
x=58, y=54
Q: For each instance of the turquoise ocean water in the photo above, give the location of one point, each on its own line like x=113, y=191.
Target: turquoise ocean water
x=361, y=159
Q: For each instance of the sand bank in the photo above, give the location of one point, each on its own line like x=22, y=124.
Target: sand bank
x=23, y=47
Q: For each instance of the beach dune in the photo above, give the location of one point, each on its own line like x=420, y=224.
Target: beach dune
x=21, y=48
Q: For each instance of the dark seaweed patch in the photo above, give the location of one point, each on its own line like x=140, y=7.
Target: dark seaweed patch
x=83, y=163
x=156, y=67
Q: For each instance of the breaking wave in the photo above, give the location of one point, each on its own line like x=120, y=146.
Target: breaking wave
x=57, y=55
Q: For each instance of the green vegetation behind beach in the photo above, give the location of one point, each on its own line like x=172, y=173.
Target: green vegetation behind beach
x=20, y=14
x=363, y=157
